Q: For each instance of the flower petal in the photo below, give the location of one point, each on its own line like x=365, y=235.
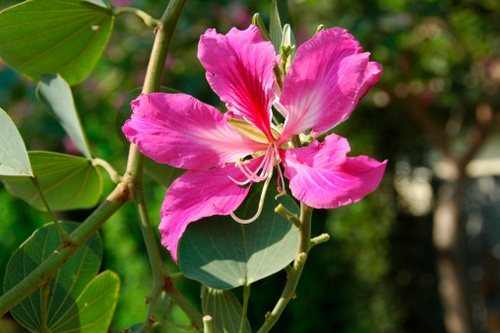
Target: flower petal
x=327, y=78
x=179, y=130
x=198, y=194
x=323, y=177
x=240, y=70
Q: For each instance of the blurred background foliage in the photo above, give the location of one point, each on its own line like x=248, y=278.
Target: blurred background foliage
x=435, y=108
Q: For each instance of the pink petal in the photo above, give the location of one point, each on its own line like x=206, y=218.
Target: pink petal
x=240, y=70
x=179, y=130
x=323, y=177
x=198, y=194
x=327, y=78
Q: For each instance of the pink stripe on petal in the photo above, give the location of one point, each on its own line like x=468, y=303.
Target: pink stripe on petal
x=327, y=78
x=322, y=177
x=240, y=70
x=199, y=194
x=179, y=130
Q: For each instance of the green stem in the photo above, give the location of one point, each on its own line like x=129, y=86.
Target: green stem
x=145, y=17
x=246, y=297
x=293, y=274
x=152, y=83
x=43, y=307
x=113, y=174
x=64, y=235
x=280, y=209
x=207, y=324
x=42, y=274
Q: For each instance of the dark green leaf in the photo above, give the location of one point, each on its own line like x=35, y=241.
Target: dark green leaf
x=14, y=159
x=68, y=182
x=225, y=254
x=54, y=36
x=225, y=310
x=64, y=288
x=55, y=95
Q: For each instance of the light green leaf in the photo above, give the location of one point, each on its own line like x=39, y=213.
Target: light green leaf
x=14, y=159
x=55, y=95
x=94, y=307
x=275, y=28
x=68, y=182
x=225, y=310
x=223, y=254
x=54, y=36
x=64, y=288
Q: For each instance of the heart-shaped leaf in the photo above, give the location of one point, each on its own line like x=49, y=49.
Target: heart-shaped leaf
x=68, y=182
x=225, y=310
x=14, y=159
x=64, y=288
x=54, y=36
x=224, y=254
x=55, y=95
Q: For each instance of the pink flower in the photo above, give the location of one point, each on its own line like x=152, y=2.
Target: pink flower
x=225, y=153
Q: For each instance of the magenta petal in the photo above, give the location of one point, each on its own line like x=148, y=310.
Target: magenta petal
x=328, y=77
x=198, y=194
x=179, y=130
x=240, y=70
x=323, y=177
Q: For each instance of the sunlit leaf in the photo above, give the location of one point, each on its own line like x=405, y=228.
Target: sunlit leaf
x=101, y=3
x=55, y=95
x=224, y=254
x=14, y=159
x=94, y=307
x=54, y=36
x=68, y=182
x=64, y=288
x=225, y=310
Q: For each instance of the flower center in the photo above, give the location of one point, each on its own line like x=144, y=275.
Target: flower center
x=264, y=171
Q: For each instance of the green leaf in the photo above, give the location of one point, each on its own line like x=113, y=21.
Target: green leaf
x=100, y=3
x=275, y=28
x=225, y=310
x=95, y=306
x=14, y=159
x=64, y=288
x=68, y=182
x=55, y=95
x=223, y=254
x=54, y=36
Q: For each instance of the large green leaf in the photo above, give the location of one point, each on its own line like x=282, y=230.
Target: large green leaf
x=225, y=254
x=225, y=310
x=55, y=95
x=64, y=288
x=68, y=182
x=14, y=159
x=54, y=36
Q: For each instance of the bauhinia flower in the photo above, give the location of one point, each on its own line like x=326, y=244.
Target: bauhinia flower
x=224, y=154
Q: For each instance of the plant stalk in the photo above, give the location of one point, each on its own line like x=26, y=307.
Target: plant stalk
x=293, y=274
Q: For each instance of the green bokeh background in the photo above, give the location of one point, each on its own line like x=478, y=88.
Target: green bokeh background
x=377, y=273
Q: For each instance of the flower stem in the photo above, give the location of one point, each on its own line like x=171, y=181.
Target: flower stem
x=152, y=82
x=293, y=274
x=246, y=296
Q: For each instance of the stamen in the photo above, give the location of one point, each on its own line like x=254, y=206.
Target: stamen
x=261, y=203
